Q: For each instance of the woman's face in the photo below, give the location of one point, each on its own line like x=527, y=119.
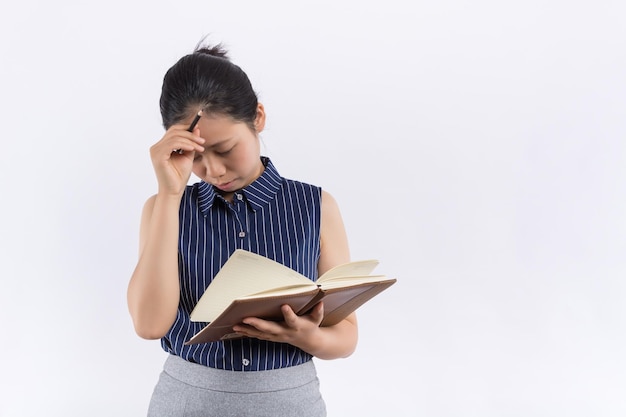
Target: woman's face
x=231, y=159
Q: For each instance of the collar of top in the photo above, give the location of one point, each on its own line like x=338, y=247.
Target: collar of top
x=258, y=194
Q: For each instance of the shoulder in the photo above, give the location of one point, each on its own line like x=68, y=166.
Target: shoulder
x=330, y=208
x=272, y=174
x=328, y=201
x=291, y=185
x=298, y=183
x=333, y=238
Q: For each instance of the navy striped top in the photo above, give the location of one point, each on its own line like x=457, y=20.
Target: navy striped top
x=274, y=217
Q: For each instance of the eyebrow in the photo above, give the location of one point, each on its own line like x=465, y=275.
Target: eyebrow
x=220, y=142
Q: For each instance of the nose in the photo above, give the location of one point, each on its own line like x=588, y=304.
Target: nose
x=214, y=167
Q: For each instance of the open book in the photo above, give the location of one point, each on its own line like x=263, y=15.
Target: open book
x=251, y=285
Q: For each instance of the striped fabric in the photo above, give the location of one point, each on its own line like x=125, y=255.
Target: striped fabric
x=274, y=217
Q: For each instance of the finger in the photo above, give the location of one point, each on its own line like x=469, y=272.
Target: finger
x=169, y=144
x=317, y=314
x=179, y=144
x=179, y=131
x=186, y=148
x=256, y=324
x=289, y=316
x=254, y=327
x=244, y=328
x=192, y=144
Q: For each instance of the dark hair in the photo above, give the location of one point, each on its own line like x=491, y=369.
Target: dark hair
x=206, y=79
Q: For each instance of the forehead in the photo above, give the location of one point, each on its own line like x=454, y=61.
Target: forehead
x=215, y=127
x=218, y=117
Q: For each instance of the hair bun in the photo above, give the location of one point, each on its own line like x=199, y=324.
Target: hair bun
x=213, y=50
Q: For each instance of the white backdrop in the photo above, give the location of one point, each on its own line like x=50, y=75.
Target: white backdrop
x=475, y=148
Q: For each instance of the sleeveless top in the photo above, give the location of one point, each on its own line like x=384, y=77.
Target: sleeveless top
x=274, y=217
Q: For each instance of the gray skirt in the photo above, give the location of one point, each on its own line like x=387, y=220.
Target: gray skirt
x=188, y=389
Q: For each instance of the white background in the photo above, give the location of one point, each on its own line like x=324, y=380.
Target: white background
x=475, y=148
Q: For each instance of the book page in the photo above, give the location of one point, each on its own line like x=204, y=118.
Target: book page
x=296, y=289
x=356, y=268
x=344, y=282
x=244, y=273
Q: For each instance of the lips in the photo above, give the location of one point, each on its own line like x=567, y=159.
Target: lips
x=224, y=186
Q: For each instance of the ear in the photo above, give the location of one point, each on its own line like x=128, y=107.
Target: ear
x=259, y=122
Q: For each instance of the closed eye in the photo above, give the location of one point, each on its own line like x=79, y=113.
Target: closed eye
x=224, y=152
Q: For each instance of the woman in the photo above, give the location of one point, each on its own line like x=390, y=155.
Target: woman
x=212, y=120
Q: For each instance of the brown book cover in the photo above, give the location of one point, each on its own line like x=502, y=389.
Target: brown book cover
x=250, y=285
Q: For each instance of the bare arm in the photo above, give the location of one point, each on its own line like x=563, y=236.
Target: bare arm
x=330, y=342
x=339, y=340
x=153, y=290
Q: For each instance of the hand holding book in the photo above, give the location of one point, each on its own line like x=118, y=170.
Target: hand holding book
x=251, y=285
x=292, y=326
